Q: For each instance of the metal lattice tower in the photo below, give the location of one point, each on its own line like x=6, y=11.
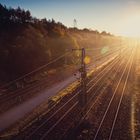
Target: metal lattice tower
x=75, y=23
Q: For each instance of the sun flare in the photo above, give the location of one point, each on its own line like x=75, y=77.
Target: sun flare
x=130, y=26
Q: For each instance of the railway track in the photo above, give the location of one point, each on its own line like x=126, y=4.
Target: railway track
x=108, y=121
x=104, y=126
x=15, y=97
x=38, y=132
x=95, y=96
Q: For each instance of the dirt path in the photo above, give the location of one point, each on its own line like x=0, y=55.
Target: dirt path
x=16, y=113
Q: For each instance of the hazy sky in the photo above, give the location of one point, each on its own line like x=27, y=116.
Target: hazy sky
x=121, y=17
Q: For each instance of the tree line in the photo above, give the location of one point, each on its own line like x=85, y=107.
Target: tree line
x=20, y=16
x=11, y=15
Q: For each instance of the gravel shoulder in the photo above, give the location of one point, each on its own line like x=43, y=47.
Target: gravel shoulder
x=136, y=105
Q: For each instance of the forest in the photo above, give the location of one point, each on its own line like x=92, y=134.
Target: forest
x=27, y=42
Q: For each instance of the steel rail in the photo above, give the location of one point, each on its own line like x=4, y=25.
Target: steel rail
x=52, y=116
x=120, y=102
x=60, y=119
x=112, y=98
